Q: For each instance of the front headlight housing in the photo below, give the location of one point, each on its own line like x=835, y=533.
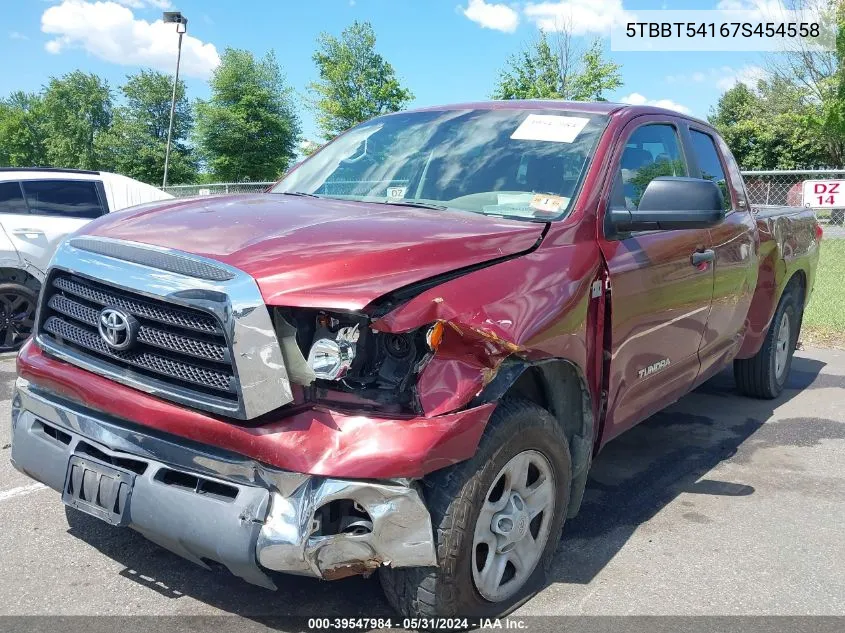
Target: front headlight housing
x=341, y=358
x=330, y=358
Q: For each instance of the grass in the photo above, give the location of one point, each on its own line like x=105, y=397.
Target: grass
x=824, y=319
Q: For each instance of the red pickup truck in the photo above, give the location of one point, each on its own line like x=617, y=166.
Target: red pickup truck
x=404, y=356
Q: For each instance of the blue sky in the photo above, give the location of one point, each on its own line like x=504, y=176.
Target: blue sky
x=444, y=50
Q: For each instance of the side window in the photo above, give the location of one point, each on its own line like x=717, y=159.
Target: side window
x=734, y=175
x=67, y=198
x=11, y=198
x=652, y=150
x=708, y=161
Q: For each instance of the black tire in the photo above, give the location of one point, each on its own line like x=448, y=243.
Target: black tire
x=758, y=376
x=17, y=315
x=454, y=497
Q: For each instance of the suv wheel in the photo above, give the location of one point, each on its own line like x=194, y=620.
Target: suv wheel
x=17, y=315
x=497, y=520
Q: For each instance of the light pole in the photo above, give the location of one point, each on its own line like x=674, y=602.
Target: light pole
x=181, y=22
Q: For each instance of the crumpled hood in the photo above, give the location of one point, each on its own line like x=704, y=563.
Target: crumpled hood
x=317, y=252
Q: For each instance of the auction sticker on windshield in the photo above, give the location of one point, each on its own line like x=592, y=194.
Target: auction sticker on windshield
x=546, y=127
x=824, y=194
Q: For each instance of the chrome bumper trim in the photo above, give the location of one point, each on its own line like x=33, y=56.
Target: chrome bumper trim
x=269, y=525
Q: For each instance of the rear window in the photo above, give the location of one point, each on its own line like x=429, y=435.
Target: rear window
x=708, y=161
x=68, y=198
x=11, y=198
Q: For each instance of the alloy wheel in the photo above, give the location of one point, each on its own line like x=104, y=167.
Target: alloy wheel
x=513, y=526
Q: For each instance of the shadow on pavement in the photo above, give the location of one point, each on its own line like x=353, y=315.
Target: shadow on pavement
x=646, y=468
x=634, y=477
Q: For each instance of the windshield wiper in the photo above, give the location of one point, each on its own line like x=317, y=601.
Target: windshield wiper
x=419, y=205
x=297, y=193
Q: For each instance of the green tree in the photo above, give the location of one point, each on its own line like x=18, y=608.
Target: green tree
x=77, y=109
x=777, y=125
x=248, y=129
x=834, y=105
x=356, y=83
x=550, y=68
x=22, y=131
x=135, y=144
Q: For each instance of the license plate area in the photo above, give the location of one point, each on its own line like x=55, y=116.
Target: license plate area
x=98, y=489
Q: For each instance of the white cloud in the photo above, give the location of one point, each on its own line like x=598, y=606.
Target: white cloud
x=110, y=31
x=579, y=16
x=748, y=75
x=723, y=77
x=499, y=17
x=766, y=8
x=14, y=35
x=635, y=98
x=777, y=10
x=143, y=4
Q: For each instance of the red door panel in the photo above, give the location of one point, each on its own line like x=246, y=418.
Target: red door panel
x=735, y=279
x=659, y=306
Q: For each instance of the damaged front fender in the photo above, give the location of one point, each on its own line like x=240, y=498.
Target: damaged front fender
x=531, y=308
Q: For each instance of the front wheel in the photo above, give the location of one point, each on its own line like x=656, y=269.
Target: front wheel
x=764, y=374
x=497, y=520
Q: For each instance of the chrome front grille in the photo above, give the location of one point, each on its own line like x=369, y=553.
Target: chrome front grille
x=153, y=310
x=183, y=347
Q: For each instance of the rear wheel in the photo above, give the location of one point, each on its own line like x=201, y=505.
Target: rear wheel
x=497, y=520
x=17, y=315
x=764, y=374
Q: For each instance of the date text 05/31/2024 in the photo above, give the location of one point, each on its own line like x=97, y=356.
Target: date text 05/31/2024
x=438, y=624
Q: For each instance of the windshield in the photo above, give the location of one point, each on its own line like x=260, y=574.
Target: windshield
x=512, y=163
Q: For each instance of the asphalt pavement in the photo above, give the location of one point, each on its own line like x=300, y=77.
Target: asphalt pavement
x=720, y=505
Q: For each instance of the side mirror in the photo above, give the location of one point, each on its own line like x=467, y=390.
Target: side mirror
x=673, y=202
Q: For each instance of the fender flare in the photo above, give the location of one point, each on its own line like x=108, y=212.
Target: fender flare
x=559, y=386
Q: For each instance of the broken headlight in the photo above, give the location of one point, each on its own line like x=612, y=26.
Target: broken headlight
x=340, y=358
x=330, y=357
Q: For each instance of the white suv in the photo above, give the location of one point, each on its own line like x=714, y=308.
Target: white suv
x=39, y=207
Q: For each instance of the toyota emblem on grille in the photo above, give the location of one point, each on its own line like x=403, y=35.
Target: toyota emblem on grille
x=117, y=328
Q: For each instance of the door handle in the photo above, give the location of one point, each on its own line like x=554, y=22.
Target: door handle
x=701, y=257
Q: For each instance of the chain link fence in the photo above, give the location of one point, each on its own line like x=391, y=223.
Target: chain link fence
x=186, y=191
x=782, y=187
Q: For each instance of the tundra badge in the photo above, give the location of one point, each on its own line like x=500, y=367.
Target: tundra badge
x=653, y=368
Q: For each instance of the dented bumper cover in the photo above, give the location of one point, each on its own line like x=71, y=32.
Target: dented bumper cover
x=258, y=518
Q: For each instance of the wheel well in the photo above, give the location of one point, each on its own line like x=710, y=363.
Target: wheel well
x=799, y=278
x=18, y=276
x=559, y=387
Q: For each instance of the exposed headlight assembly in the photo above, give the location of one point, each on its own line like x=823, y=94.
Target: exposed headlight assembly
x=340, y=353
x=331, y=358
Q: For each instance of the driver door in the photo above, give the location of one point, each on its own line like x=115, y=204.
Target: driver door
x=660, y=300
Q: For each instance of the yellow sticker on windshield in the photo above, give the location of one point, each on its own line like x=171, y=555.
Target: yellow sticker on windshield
x=550, y=127
x=547, y=204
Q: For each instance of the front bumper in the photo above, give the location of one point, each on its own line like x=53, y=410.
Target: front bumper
x=266, y=518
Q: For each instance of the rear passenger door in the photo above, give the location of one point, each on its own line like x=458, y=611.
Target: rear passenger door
x=734, y=243
x=41, y=213
x=660, y=299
